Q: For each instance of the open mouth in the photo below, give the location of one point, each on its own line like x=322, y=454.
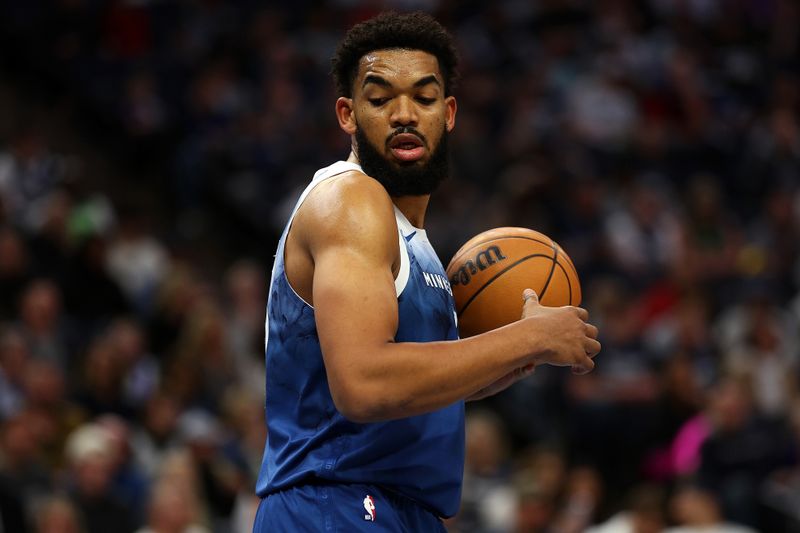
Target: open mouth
x=407, y=147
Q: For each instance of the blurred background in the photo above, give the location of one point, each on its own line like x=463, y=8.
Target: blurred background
x=150, y=152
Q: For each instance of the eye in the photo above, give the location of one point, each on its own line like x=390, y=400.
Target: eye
x=377, y=102
x=424, y=100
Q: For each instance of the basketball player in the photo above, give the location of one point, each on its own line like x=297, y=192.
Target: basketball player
x=366, y=376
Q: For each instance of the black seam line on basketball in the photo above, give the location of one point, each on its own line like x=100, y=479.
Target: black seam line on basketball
x=458, y=256
x=506, y=269
x=552, y=269
x=571, y=266
x=569, y=283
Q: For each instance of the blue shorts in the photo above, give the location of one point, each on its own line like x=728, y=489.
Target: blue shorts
x=343, y=509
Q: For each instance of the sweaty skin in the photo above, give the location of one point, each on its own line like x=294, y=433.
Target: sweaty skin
x=342, y=257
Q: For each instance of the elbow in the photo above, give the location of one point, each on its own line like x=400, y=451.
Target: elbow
x=359, y=405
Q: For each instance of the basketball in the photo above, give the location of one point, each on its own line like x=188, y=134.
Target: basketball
x=489, y=273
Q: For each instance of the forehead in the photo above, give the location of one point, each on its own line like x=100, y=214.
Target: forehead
x=398, y=64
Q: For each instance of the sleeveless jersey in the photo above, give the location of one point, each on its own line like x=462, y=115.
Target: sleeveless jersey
x=309, y=441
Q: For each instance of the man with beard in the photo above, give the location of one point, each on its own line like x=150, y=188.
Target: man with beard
x=366, y=376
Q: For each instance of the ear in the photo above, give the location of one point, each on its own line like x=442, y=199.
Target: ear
x=450, y=112
x=344, y=114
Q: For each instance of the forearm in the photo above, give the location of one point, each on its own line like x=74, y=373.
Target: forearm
x=405, y=379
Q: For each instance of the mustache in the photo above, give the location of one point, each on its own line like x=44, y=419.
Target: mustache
x=407, y=129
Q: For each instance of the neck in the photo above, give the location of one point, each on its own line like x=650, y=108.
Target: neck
x=413, y=207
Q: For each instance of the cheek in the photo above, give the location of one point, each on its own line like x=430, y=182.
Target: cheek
x=372, y=126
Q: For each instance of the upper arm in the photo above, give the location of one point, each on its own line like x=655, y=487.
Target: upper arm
x=351, y=234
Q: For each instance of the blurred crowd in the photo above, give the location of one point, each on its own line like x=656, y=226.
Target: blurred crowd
x=658, y=141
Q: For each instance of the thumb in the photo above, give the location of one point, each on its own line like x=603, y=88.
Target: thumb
x=529, y=298
x=530, y=294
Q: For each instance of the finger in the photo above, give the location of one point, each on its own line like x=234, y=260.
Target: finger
x=592, y=347
x=583, y=368
x=583, y=314
x=591, y=331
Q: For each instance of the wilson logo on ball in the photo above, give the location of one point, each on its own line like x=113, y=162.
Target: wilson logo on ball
x=483, y=260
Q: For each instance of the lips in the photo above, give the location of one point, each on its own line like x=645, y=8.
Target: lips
x=407, y=147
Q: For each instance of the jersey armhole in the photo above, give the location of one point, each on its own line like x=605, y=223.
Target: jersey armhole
x=402, y=276
x=401, y=280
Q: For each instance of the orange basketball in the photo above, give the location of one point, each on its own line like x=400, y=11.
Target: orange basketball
x=489, y=273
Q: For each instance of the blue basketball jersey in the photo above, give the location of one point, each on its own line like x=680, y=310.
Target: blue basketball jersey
x=309, y=441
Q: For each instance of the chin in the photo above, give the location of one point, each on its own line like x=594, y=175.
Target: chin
x=405, y=164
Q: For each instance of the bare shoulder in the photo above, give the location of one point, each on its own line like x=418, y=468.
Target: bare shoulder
x=351, y=206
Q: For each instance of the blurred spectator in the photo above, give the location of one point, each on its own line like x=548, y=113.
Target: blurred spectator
x=49, y=412
x=581, y=501
x=538, y=480
x=243, y=412
x=143, y=112
x=684, y=330
x=697, y=512
x=177, y=470
x=171, y=511
x=246, y=288
x=156, y=433
x=22, y=464
x=759, y=340
x=740, y=452
x=535, y=509
x=28, y=173
x=138, y=263
x=773, y=150
x=44, y=325
x=90, y=456
x=177, y=295
x=139, y=369
x=50, y=245
x=602, y=111
x=244, y=416
x=644, y=234
x=219, y=478
x=202, y=366
x=712, y=237
x=644, y=513
x=90, y=292
x=488, y=500
x=100, y=388
x=58, y=515
x=129, y=482
x=681, y=430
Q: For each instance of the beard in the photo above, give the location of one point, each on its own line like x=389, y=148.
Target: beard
x=404, y=179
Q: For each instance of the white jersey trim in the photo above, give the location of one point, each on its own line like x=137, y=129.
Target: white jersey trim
x=402, y=222
x=405, y=265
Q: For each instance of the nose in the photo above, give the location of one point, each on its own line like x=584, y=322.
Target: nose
x=404, y=112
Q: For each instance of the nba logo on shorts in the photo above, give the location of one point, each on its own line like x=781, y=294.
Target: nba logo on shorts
x=369, y=505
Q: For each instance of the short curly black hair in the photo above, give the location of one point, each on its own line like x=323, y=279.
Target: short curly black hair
x=412, y=31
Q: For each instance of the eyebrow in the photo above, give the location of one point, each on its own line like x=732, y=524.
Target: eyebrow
x=377, y=80
x=426, y=80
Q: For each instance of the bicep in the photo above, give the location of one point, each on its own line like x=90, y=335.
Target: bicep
x=354, y=298
x=355, y=303
x=355, y=308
